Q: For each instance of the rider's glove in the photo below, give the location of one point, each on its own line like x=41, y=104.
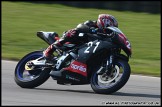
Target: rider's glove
x=93, y=30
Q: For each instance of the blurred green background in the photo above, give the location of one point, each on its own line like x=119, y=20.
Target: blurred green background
x=21, y=21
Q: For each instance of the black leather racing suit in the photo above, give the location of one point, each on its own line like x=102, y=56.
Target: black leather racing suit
x=73, y=37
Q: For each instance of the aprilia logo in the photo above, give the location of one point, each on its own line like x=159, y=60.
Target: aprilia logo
x=78, y=67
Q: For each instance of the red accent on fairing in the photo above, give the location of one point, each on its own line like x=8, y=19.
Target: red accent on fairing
x=77, y=67
x=123, y=38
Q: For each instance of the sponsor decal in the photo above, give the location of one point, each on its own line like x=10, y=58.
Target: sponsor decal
x=72, y=78
x=77, y=67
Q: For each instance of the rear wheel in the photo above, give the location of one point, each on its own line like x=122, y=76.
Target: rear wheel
x=107, y=84
x=30, y=78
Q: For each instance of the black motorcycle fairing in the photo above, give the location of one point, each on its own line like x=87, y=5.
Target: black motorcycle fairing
x=90, y=49
x=74, y=78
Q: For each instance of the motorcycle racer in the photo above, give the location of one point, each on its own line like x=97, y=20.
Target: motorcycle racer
x=94, y=56
x=72, y=35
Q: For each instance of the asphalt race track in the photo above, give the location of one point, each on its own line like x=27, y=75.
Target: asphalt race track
x=139, y=90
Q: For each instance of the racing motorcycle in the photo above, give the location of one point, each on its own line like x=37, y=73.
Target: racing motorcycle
x=101, y=63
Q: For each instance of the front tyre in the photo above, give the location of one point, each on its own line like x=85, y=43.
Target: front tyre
x=32, y=78
x=104, y=84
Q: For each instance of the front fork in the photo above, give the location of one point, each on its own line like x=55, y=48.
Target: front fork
x=108, y=67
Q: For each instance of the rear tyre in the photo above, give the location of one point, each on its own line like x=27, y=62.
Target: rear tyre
x=32, y=78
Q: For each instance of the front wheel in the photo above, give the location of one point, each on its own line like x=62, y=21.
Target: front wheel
x=107, y=84
x=30, y=78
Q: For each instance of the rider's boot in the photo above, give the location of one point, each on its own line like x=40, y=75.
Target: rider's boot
x=48, y=53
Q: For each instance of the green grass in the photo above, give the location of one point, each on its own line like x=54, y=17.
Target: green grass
x=21, y=21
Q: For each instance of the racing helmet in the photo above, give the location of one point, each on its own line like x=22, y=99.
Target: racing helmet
x=106, y=20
